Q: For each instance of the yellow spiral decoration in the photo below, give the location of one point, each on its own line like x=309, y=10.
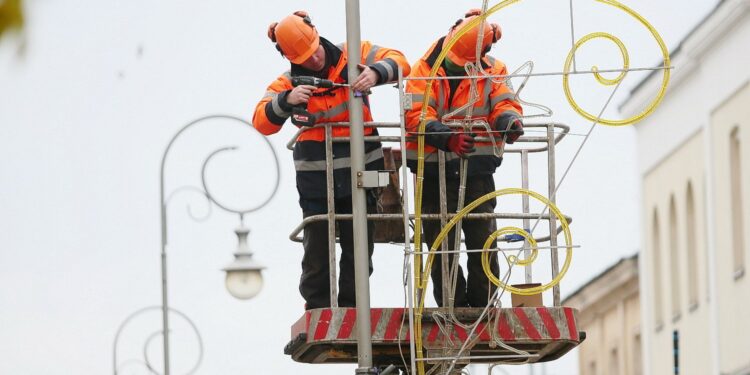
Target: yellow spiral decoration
x=595, y=69
x=513, y=259
x=419, y=280
x=532, y=242
x=509, y=191
x=626, y=64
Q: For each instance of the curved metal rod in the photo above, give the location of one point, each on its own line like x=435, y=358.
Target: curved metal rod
x=547, y=112
x=163, y=210
x=295, y=235
x=225, y=207
x=565, y=130
x=134, y=361
x=130, y=317
x=370, y=124
x=194, y=189
x=156, y=334
x=145, y=352
x=492, y=367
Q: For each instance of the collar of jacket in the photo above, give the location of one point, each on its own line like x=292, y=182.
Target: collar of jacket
x=333, y=55
x=431, y=56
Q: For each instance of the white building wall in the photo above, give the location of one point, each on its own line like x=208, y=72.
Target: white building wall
x=706, y=71
x=733, y=287
x=711, y=72
x=670, y=179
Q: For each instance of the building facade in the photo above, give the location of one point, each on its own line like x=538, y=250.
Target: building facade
x=694, y=164
x=609, y=313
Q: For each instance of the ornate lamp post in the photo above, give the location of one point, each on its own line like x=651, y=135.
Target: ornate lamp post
x=243, y=276
x=244, y=279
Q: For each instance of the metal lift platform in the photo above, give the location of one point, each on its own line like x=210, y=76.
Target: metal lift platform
x=327, y=335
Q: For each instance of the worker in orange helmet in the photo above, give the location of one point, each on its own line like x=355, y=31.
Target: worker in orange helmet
x=498, y=106
x=311, y=55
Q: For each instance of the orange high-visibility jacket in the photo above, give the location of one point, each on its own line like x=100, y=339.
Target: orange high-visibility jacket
x=497, y=105
x=327, y=105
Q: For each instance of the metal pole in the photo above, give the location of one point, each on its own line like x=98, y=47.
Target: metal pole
x=164, y=302
x=405, y=201
x=163, y=208
x=331, y=219
x=525, y=204
x=552, y=222
x=445, y=286
x=359, y=206
x=145, y=362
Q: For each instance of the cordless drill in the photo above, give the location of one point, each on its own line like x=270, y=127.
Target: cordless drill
x=300, y=116
x=315, y=81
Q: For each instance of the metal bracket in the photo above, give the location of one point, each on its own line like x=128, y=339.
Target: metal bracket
x=372, y=179
x=366, y=371
x=407, y=101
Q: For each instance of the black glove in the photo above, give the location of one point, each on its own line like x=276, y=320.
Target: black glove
x=510, y=127
x=515, y=131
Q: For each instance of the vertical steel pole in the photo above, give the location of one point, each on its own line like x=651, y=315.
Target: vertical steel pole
x=164, y=304
x=405, y=201
x=444, y=257
x=552, y=221
x=525, y=204
x=359, y=206
x=331, y=219
x=163, y=222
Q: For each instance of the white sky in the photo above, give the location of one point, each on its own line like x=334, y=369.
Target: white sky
x=87, y=112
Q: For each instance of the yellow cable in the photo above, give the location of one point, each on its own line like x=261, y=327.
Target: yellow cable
x=419, y=270
x=568, y=244
x=460, y=214
x=665, y=78
x=512, y=259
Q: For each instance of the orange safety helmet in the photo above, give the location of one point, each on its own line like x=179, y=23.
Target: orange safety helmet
x=465, y=48
x=295, y=36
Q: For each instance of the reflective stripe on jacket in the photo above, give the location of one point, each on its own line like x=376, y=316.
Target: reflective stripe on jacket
x=496, y=104
x=327, y=105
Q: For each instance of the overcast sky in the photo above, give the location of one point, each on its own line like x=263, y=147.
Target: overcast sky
x=85, y=115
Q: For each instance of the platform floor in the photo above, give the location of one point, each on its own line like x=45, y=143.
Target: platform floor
x=328, y=335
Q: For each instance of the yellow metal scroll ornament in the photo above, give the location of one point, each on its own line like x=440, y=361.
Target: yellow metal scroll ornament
x=609, y=82
x=421, y=282
x=512, y=260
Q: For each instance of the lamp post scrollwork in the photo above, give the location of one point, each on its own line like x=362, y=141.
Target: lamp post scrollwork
x=243, y=276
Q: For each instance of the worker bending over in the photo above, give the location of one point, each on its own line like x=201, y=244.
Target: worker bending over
x=314, y=56
x=497, y=105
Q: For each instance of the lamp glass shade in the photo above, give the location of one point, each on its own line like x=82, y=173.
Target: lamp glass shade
x=244, y=284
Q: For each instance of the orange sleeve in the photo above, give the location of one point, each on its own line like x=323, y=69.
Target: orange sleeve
x=417, y=90
x=273, y=110
x=385, y=61
x=503, y=100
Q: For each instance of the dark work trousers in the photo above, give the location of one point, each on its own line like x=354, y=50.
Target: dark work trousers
x=474, y=293
x=314, y=284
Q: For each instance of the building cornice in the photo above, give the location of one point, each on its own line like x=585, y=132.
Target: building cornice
x=686, y=58
x=608, y=283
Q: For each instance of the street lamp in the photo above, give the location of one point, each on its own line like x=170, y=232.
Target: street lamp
x=243, y=276
x=244, y=279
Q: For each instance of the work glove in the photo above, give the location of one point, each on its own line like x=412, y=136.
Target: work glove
x=514, y=131
x=461, y=143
